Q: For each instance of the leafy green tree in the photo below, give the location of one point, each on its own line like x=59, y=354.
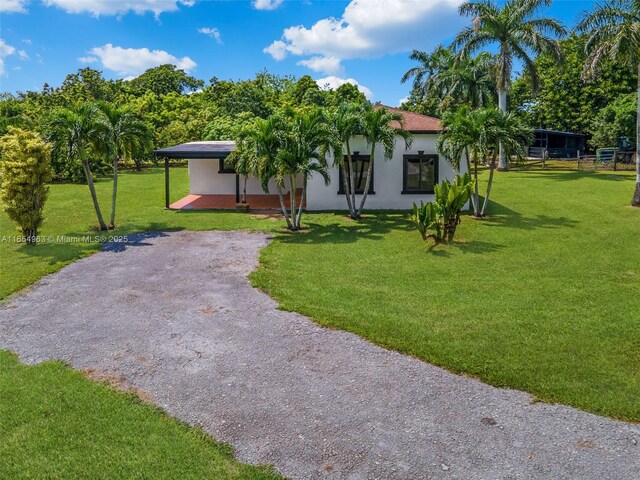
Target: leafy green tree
x=128, y=137
x=80, y=134
x=565, y=100
x=614, y=34
x=165, y=79
x=616, y=120
x=518, y=32
x=380, y=127
x=226, y=127
x=24, y=173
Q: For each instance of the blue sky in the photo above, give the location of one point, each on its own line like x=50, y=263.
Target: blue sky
x=363, y=41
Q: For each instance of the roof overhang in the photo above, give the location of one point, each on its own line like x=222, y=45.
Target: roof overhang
x=207, y=149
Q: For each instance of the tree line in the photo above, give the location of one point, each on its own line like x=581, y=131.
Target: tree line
x=587, y=80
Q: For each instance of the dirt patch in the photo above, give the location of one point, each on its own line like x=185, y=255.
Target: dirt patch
x=117, y=382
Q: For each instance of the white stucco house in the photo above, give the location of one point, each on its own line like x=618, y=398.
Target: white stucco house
x=396, y=183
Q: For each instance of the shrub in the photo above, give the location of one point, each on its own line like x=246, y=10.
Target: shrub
x=25, y=169
x=443, y=214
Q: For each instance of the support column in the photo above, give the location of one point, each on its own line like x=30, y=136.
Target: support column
x=237, y=188
x=166, y=182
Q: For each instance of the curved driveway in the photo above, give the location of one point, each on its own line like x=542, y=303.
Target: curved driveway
x=175, y=315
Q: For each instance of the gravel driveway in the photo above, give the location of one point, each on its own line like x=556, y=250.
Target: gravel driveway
x=175, y=315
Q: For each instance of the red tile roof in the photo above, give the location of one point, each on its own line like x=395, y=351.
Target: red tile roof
x=416, y=123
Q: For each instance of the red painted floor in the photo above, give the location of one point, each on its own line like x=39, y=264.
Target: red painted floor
x=228, y=202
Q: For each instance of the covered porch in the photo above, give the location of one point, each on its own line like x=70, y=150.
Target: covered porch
x=213, y=182
x=228, y=202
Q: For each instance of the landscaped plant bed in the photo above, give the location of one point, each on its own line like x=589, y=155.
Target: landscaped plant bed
x=243, y=207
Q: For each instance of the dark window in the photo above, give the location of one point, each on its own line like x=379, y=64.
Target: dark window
x=420, y=173
x=226, y=166
x=361, y=170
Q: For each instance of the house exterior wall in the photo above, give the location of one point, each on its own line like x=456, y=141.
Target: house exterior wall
x=387, y=178
x=204, y=179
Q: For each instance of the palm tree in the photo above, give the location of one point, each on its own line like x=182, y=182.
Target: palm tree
x=429, y=65
x=477, y=134
x=306, y=141
x=128, y=136
x=614, y=34
x=448, y=78
x=505, y=132
x=518, y=32
x=346, y=123
x=82, y=133
x=469, y=80
x=379, y=128
x=459, y=138
x=257, y=146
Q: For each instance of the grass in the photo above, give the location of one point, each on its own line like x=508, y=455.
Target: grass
x=542, y=296
x=55, y=423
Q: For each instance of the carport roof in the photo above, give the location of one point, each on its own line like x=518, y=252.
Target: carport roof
x=208, y=149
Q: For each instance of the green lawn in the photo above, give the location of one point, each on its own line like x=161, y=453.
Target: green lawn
x=542, y=296
x=56, y=424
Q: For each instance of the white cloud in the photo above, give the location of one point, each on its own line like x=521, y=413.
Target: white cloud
x=6, y=50
x=266, y=4
x=131, y=62
x=402, y=100
x=13, y=6
x=278, y=50
x=371, y=28
x=118, y=7
x=332, y=82
x=23, y=55
x=88, y=59
x=27, y=41
x=211, y=32
x=328, y=65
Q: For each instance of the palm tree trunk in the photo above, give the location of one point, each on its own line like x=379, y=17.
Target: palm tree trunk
x=244, y=190
x=345, y=186
x=486, y=198
x=292, y=184
x=502, y=104
x=352, y=185
x=304, y=189
x=284, y=209
x=367, y=183
x=474, y=197
x=476, y=187
x=636, y=194
x=114, y=193
x=94, y=197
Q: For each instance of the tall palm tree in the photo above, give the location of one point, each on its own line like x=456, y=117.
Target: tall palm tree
x=346, y=123
x=614, y=34
x=518, y=32
x=447, y=77
x=82, y=133
x=128, y=136
x=380, y=126
x=429, y=65
x=469, y=80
